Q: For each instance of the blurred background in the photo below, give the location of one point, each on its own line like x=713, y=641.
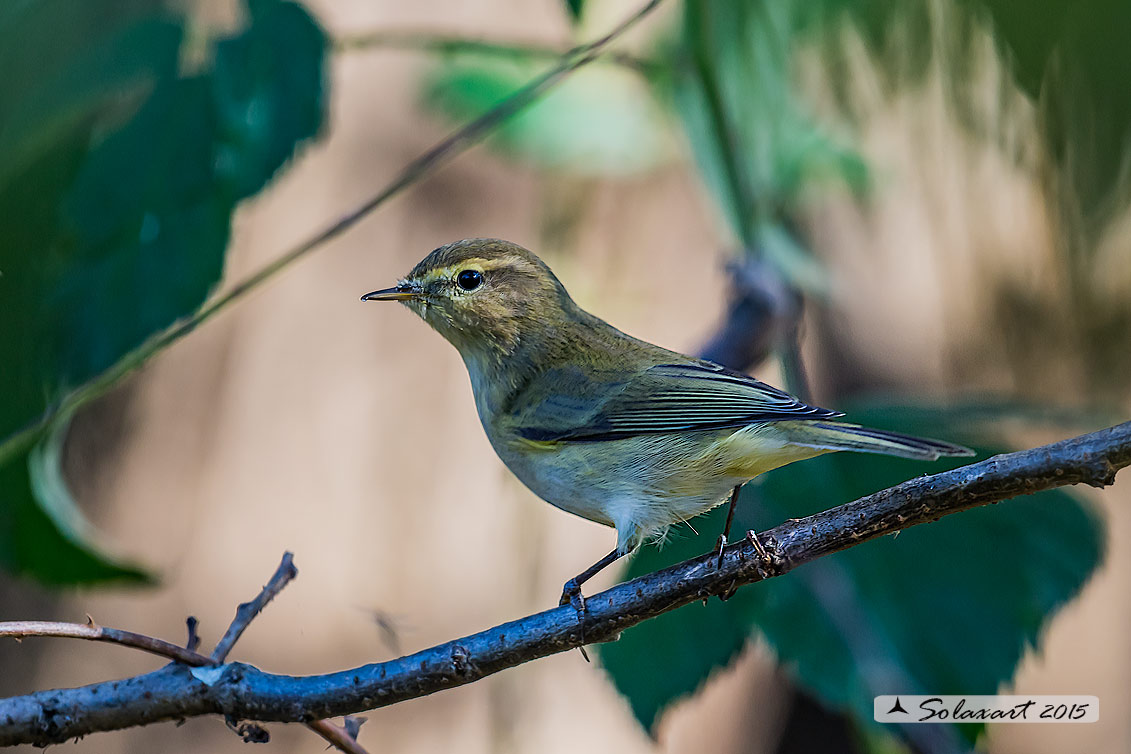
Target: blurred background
x=912, y=211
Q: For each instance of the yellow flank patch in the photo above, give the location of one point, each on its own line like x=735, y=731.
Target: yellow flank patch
x=542, y=445
x=755, y=450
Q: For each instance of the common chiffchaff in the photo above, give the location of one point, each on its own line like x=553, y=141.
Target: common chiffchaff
x=601, y=424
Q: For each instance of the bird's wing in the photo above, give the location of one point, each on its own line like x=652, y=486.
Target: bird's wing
x=662, y=398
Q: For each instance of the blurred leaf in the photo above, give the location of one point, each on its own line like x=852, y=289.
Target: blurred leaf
x=42, y=532
x=600, y=121
x=118, y=179
x=901, y=37
x=575, y=8
x=103, y=74
x=1072, y=56
x=1069, y=56
x=789, y=256
x=662, y=660
x=944, y=608
x=757, y=145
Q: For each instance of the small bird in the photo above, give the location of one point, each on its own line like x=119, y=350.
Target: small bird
x=600, y=424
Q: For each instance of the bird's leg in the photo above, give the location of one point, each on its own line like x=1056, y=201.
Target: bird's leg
x=571, y=592
x=722, y=543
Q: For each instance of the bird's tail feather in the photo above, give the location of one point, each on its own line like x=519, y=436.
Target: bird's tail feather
x=842, y=436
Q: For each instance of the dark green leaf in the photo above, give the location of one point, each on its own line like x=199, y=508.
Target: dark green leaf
x=151, y=224
x=948, y=607
x=70, y=67
x=1073, y=57
x=662, y=660
x=42, y=532
x=119, y=173
x=268, y=89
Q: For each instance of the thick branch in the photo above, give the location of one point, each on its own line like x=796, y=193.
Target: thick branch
x=244, y=692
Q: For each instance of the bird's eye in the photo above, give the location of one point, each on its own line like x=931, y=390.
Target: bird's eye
x=469, y=280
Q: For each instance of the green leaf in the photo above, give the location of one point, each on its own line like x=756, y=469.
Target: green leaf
x=1072, y=57
x=42, y=532
x=602, y=120
x=757, y=145
x=151, y=224
x=944, y=608
x=102, y=59
x=119, y=174
x=662, y=660
x=267, y=86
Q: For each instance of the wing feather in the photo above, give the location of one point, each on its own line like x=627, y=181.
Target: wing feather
x=662, y=398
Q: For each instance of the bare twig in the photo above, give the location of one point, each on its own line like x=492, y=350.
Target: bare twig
x=193, y=641
x=91, y=631
x=247, y=611
x=241, y=691
x=344, y=738
x=454, y=144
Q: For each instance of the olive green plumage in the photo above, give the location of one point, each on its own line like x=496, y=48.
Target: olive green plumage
x=601, y=424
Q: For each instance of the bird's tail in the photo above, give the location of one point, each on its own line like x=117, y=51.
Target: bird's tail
x=841, y=436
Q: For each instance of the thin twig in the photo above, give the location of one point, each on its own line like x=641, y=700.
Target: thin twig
x=337, y=736
x=241, y=691
x=193, y=641
x=340, y=737
x=91, y=631
x=247, y=611
x=454, y=144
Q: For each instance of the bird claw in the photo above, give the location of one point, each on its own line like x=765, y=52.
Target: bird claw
x=752, y=538
x=765, y=564
x=571, y=595
x=720, y=546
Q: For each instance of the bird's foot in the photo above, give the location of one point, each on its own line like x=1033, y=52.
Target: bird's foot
x=719, y=547
x=752, y=538
x=571, y=595
x=766, y=565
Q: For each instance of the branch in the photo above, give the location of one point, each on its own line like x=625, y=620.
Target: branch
x=343, y=738
x=241, y=691
x=247, y=611
x=91, y=631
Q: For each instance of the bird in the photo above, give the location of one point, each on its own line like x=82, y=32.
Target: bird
x=603, y=425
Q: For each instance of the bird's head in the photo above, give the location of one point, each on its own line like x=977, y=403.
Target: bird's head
x=486, y=296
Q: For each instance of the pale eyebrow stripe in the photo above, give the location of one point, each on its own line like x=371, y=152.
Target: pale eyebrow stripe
x=478, y=262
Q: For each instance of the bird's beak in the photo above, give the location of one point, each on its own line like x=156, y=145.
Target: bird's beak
x=401, y=292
